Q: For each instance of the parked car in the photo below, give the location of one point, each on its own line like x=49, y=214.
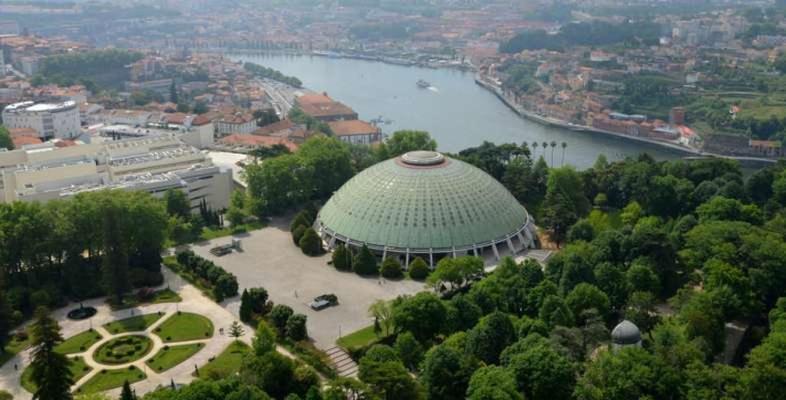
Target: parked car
x=324, y=301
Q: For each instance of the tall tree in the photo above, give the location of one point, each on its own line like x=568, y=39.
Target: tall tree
x=404, y=141
x=5, y=139
x=126, y=393
x=565, y=202
x=115, y=257
x=236, y=330
x=51, y=371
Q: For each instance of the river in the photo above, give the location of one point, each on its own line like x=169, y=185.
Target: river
x=457, y=112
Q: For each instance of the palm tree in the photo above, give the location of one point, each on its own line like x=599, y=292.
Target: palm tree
x=545, y=146
x=534, y=148
x=564, y=145
x=553, y=145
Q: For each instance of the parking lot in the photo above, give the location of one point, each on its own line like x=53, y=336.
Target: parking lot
x=269, y=259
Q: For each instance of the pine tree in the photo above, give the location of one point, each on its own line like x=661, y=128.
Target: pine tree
x=173, y=93
x=365, y=263
x=246, y=308
x=310, y=243
x=236, y=330
x=126, y=393
x=115, y=255
x=6, y=319
x=51, y=372
x=342, y=258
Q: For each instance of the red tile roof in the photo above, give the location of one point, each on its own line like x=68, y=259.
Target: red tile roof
x=352, y=127
x=20, y=141
x=274, y=127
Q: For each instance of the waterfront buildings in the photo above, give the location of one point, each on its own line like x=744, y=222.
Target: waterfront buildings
x=356, y=131
x=50, y=120
x=151, y=163
x=324, y=108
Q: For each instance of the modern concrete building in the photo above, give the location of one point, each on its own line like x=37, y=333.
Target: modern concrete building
x=425, y=204
x=51, y=121
x=154, y=164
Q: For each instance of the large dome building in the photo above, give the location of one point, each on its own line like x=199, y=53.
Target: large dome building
x=425, y=204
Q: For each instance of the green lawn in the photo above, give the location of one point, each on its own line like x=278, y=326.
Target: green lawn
x=78, y=370
x=79, y=342
x=169, y=356
x=227, y=363
x=13, y=347
x=110, y=379
x=185, y=326
x=133, y=324
x=123, y=350
x=160, y=296
x=360, y=338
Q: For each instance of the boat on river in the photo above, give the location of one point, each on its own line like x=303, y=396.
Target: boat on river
x=423, y=84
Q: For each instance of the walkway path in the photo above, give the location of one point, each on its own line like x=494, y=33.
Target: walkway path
x=193, y=301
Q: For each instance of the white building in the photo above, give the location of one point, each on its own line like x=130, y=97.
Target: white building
x=192, y=135
x=51, y=121
x=153, y=164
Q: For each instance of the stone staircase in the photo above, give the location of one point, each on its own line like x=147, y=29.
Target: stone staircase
x=539, y=255
x=344, y=365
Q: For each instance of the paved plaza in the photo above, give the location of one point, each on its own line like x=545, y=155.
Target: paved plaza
x=269, y=259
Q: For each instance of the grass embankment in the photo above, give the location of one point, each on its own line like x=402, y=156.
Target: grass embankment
x=308, y=353
x=133, y=324
x=79, y=342
x=78, y=370
x=360, y=338
x=170, y=356
x=160, y=296
x=227, y=363
x=110, y=379
x=185, y=326
x=213, y=233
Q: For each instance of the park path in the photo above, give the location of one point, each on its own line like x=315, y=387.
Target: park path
x=193, y=301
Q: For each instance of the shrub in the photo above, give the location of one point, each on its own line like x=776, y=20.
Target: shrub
x=297, y=234
x=342, y=258
x=303, y=218
x=365, y=263
x=145, y=294
x=310, y=243
x=296, y=327
x=21, y=336
x=391, y=268
x=279, y=316
x=418, y=269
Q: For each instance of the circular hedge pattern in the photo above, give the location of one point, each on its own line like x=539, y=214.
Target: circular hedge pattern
x=123, y=350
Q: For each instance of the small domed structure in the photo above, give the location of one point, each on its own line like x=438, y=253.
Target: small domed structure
x=625, y=334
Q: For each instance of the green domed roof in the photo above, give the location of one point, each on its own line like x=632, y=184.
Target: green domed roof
x=423, y=200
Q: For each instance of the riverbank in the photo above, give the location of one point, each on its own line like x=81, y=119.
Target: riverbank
x=404, y=62
x=682, y=150
x=686, y=152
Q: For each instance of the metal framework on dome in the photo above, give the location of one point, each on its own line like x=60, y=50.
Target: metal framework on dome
x=425, y=204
